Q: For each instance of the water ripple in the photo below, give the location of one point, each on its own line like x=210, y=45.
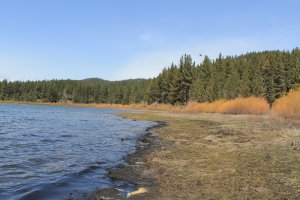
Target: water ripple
x=50, y=152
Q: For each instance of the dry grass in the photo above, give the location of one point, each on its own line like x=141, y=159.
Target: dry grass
x=287, y=106
x=217, y=156
x=158, y=107
x=251, y=105
x=155, y=106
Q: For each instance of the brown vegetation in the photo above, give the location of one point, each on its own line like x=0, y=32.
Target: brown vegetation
x=154, y=106
x=217, y=156
x=251, y=105
x=287, y=106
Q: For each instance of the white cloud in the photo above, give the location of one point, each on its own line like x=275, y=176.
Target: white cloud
x=148, y=65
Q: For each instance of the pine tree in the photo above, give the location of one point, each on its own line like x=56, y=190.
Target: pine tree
x=185, y=78
x=231, y=86
x=4, y=91
x=133, y=98
x=219, y=78
x=279, y=80
x=174, y=95
x=295, y=62
x=165, y=85
x=244, y=89
x=126, y=95
x=204, y=75
x=257, y=85
x=53, y=94
x=153, y=92
x=269, y=81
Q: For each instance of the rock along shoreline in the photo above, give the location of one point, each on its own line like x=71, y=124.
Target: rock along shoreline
x=136, y=170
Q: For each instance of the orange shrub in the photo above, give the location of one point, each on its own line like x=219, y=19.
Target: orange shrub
x=287, y=106
x=250, y=105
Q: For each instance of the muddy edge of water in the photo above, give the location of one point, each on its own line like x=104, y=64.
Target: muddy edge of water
x=135, y=171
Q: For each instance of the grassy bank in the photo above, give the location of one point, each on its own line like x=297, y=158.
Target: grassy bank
x=216, y=156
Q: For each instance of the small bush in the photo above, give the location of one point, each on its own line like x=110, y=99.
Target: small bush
x=287, y=106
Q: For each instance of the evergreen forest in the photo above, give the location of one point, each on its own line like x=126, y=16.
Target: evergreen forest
x=268, y=74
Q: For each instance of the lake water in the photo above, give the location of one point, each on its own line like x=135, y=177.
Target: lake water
x=51, y=152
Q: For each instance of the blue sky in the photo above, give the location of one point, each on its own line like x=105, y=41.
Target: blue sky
x=117, y=39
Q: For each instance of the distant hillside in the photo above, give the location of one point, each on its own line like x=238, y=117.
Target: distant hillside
x=100, y=80
x=268, y=74
x=94, y=80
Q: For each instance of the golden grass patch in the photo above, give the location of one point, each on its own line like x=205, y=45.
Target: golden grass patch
x=287, y=106
x=250, y=105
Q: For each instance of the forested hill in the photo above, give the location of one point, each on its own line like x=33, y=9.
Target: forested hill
x=268, y=74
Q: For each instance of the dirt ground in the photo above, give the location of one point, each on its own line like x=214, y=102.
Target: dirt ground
x=217, y=156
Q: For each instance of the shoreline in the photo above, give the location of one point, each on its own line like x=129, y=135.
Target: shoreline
x=139, y=107
x=210, y=156
x=217, y=156
x=135, y=171
x=51, y=104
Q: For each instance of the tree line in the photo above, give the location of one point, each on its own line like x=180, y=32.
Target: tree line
x=75, y=91
x=268, y=74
